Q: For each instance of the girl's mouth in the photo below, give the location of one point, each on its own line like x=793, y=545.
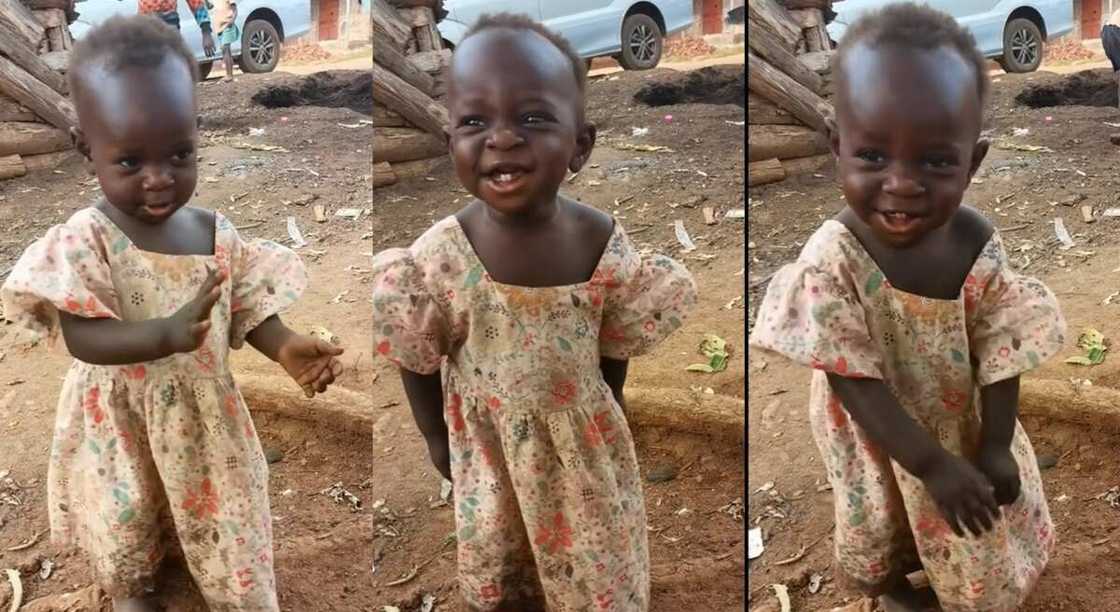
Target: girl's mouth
x=898, y=222
x=506, y=181
x=159, y=210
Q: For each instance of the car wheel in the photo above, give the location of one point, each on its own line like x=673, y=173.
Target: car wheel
x=1022, y=46
x=260, y=47
x=204, y=70
x=641, y=43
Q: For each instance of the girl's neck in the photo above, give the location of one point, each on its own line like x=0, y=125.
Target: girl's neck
x=538, y=216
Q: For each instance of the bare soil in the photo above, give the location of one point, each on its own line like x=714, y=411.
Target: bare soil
x=697, y=548
x=1022, y=191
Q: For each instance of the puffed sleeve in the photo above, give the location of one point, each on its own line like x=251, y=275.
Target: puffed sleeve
x=410, y=327
x=66, y=270
x=1015, y=323
x=648, y=300
x=266, y=279
x=813, y=318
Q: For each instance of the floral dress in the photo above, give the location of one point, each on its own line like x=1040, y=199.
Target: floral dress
x=835, y=311
x=169, y=441
x=548, y=498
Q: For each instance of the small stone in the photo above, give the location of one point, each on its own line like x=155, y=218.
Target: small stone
x=273, y=455
x=1046, y=462
x=662, y=473
x=1114, y=139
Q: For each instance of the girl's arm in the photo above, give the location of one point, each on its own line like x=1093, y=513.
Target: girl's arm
x=425, y=396
x=999, y=411
x=962, y=493
x=113, y=342
x=614, y=373
x=311, y=362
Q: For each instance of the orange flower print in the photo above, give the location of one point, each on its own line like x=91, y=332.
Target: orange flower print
x=564, y=392
x=231, y=405
x=455, y=411
x=92, y=405
x=135, y=372
x=612, y=334
x=1004, y=352
x=953, y=400
x=599, y=430
x=932, y=527
x=605, y=600
x=384, y=347
x=490, y=592
x=494, y=403
x=555, y=537
x=202, y=503
x=244, y=577
x=836, y=412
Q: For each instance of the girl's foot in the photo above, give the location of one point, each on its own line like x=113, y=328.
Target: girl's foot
x=133, y=604
x=905, y=598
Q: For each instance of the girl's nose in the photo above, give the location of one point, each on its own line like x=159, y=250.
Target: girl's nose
x=158, y=178
x=901, y=182
x=504, y=138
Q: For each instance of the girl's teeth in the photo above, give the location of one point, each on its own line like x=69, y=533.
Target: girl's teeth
x=504, y=178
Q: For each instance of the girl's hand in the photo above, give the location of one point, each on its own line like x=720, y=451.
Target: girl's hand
x=998, y=464
x=310, y=362
x=962, y=493
x=186, y=330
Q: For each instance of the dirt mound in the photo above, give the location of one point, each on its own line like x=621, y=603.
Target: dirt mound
x=326, y=89
x=1089, y=88
x=712, y=85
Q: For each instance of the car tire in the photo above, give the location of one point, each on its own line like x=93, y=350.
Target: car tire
x=204, y=69
x=1022, y=46
x=642, y=43
x=260, y=47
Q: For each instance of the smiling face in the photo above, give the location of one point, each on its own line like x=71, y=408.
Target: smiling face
x=906, y=139
x=517, y=123
x=138, y=125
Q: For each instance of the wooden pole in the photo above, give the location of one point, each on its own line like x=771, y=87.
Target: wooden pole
x=404, y=144
x=21, y=138
x=383, y=175
x=768, y=47
x=764, y=172
x=761, y=111
x=775, y=85
x=11, y=166
x=386, y=54
x=783, y=142
x=409, y=102
x=28, y=59
x=772, y=16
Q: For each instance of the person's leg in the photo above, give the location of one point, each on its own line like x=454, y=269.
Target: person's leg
x=227, y=59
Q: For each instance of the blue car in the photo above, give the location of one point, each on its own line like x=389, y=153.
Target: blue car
x=265, y=25
x=630, y=31
x=1012, y=32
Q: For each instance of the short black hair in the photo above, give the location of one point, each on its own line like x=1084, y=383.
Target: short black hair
x=514, y=21
x=124, y=42
x=912, y=26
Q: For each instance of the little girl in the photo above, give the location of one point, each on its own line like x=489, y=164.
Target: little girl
x=152, y=439
x=530, y=304
x=908, y=309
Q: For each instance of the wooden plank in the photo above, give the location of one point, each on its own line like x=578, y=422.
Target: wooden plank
x=776, y=86
x=50, y=161
x=24, y=138
x=406, y=144
x=12, y=166
x=773, y=17
x=432, y=62
x=386, y=17
x=761, y=111
x=805, y=165
x=387, y=55
x=768, y=47
x=819, y=62
x=806, y=18
x=383, y=117
x=806, y=4
x=16, y=83
x=816, y=39
x=783, y=142
x=58, y=61
x=50, y=18
x=21, y=24
x=417, y=16
x=26, y=58
x=765, y=172
x=55, y=40
x=411, y=103
x=10, y=110
x=383, y=175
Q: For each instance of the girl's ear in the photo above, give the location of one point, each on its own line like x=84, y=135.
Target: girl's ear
x=585, y=143
x=978, y=155
x=78, y=137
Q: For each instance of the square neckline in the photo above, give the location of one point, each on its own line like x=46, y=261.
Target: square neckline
x=132, y=244
x=616, y=230
x=879, y=269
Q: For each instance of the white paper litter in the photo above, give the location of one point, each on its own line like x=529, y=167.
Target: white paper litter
x=1111, y=212
x=638, y=132
x=683, y=237
x=736, y=213
x=754, y=543
x=1063, y=234
x=294, y=233
x=349, y=213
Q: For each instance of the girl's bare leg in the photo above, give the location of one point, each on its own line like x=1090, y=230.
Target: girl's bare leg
x=901, y=596
x=133, y=604
x=227, y=59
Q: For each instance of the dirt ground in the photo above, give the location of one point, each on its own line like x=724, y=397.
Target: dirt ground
x=697, y=548
x=322, y=547
x=1023, y=189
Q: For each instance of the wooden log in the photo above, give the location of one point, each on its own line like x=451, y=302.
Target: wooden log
x=773, y=17
x=383, y=117
x=407, y=4
x=394, y=61
x=23, y=138
x=55, y=40
x=817, y=39
x=50, y=161
x=50, y=18
x=783, y=142
x=761, y=111
x=16, y=83
x=418, y=168
x=416, y=17
x=793, y=5
x=404, y=144
x=720, y=416
x=59, y=61
x=805, y=165
x=10, y=110
x=385, y=17
x=819, y=62
x=409, y=102
x=806, y=18
x=764, y=172
x=1095, y=407
x=12, y=166
x=27, y=59
x=768, y=47
x=20, y=23
x=432, y=62
x=776, y=86
x=39, y=5
x=383, y=175
x=340, y=407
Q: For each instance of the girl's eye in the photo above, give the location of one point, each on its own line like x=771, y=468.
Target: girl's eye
x=940, y=163
x=871, y=157
x=534, y=118
x=184, y=155
x=128, y=163
x=471, y=122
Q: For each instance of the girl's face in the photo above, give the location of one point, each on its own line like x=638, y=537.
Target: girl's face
x=906, y=139
x=139, y=128
x=517, y=123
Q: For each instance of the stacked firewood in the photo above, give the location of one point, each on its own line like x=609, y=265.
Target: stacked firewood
x=789, y=78
x=410, y=66
x=35, y=112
